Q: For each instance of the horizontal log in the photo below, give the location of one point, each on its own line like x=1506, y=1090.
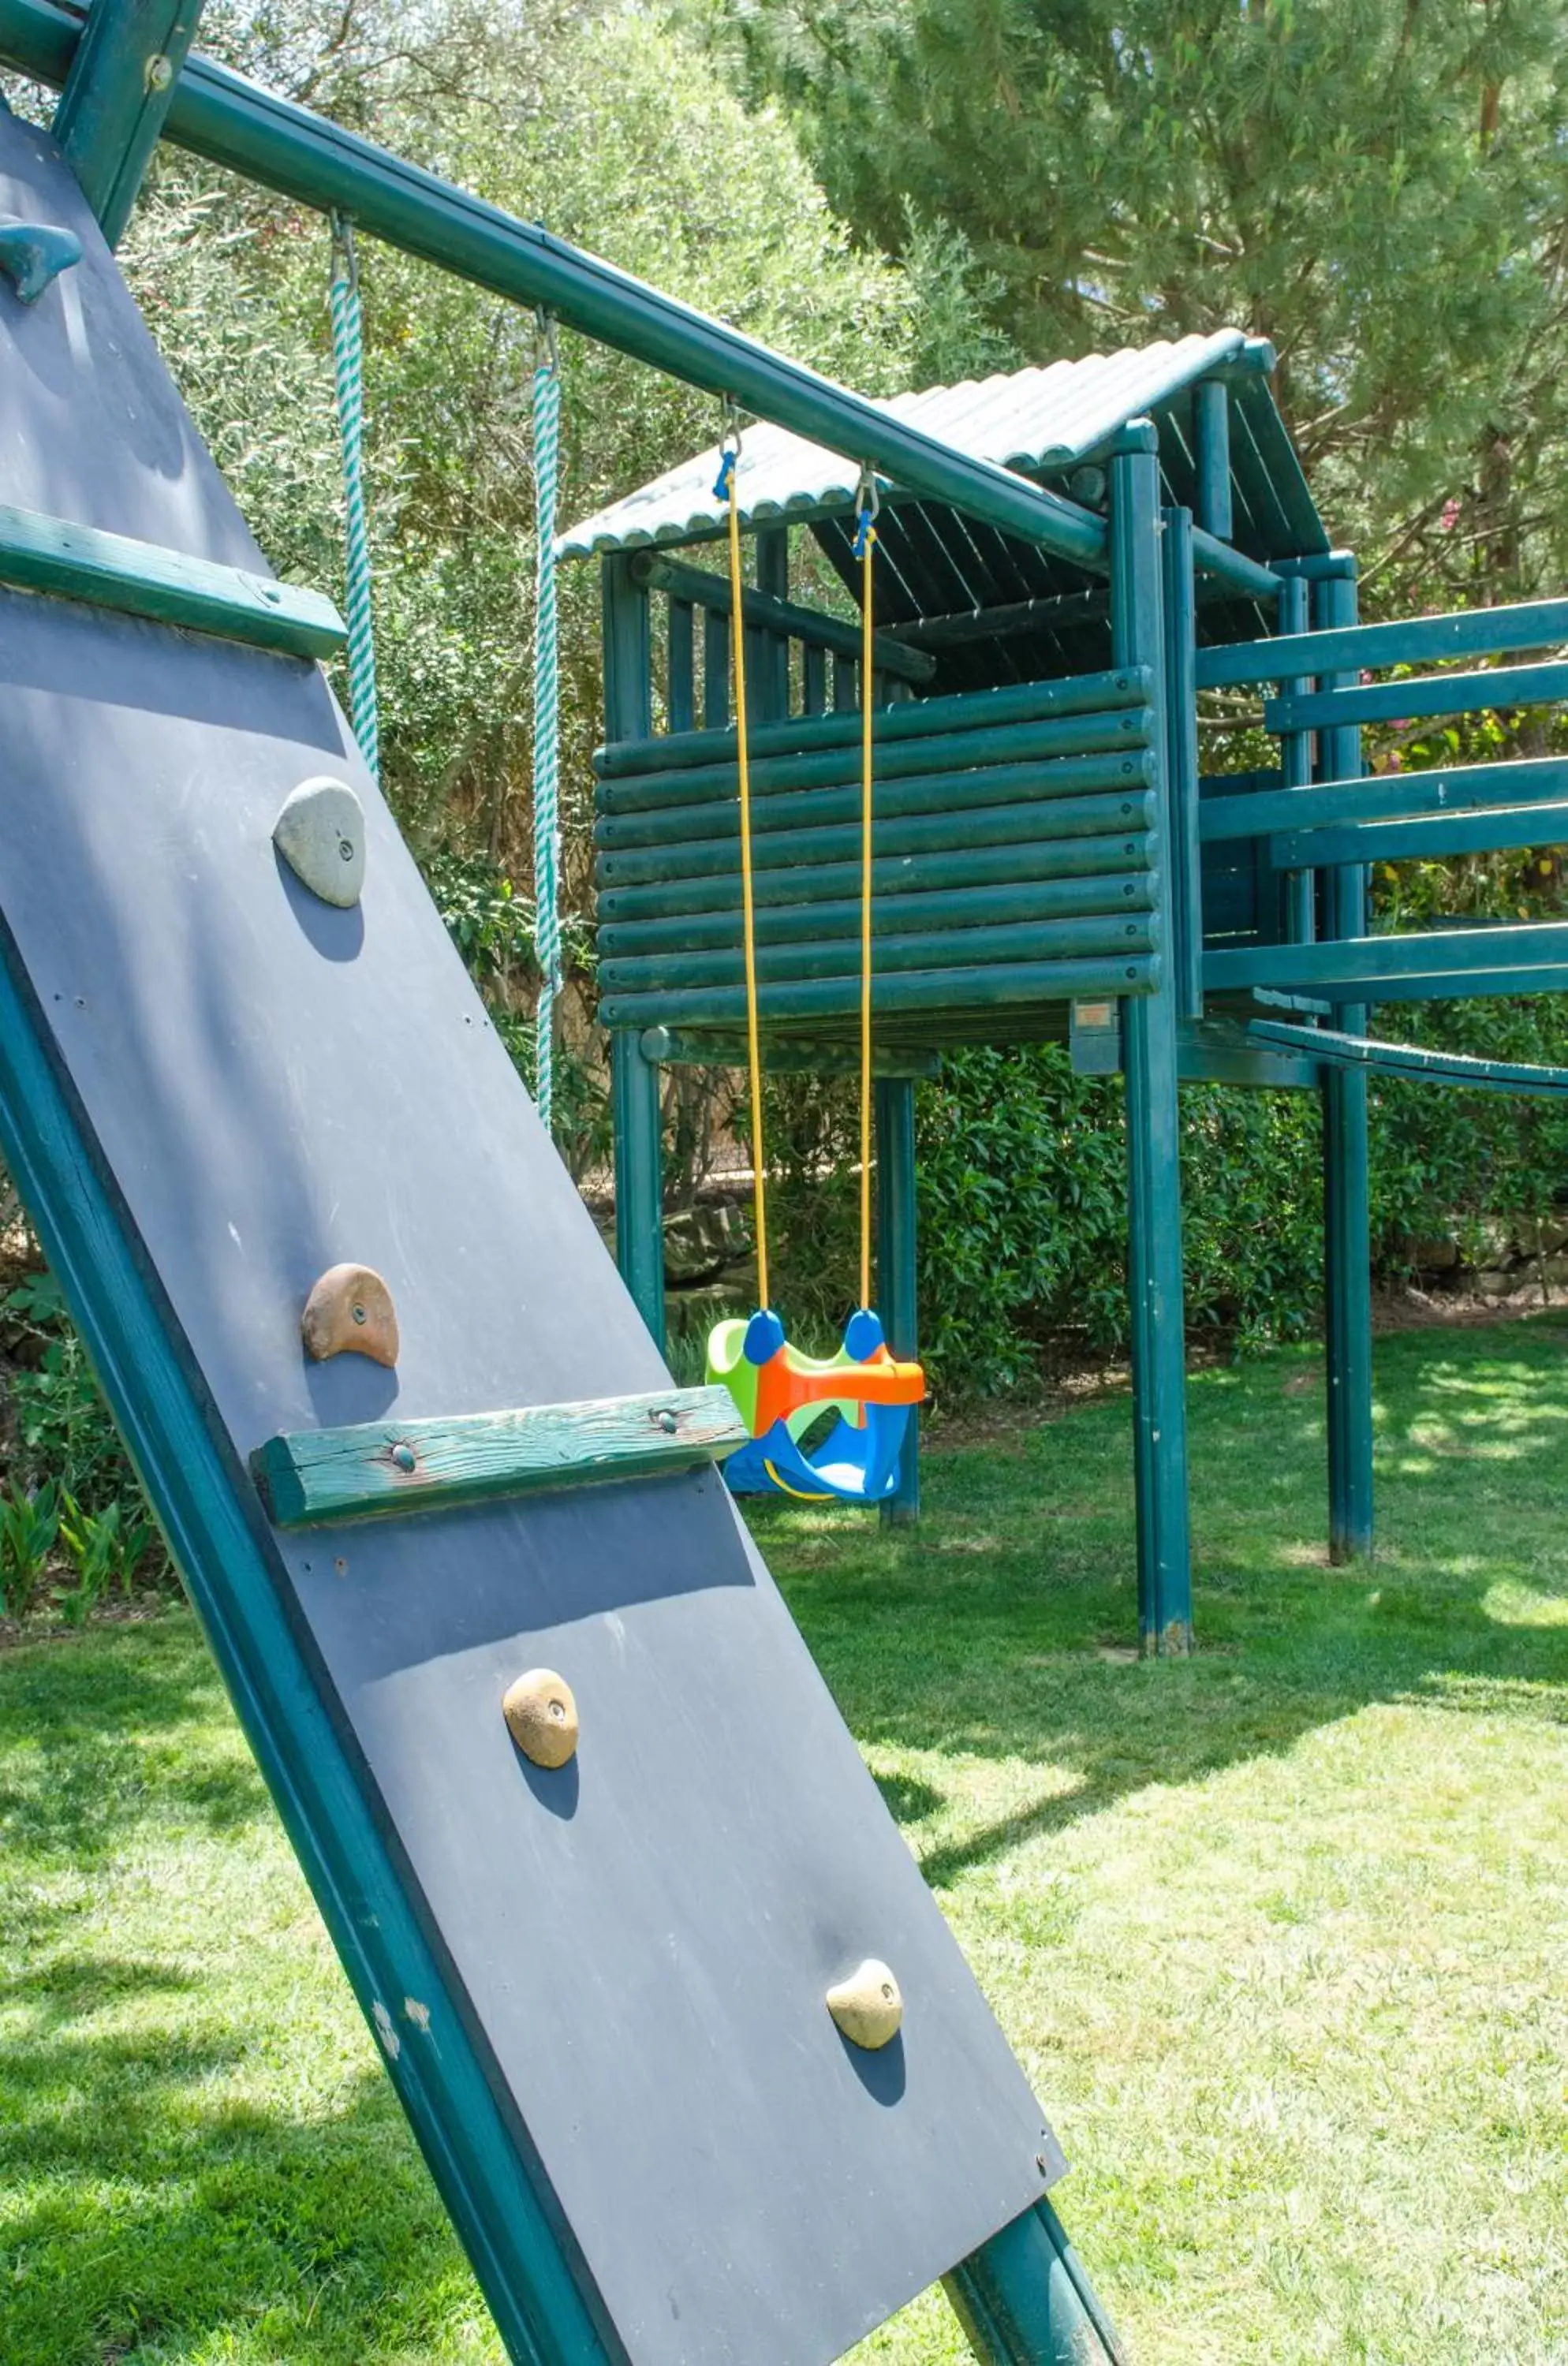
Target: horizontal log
x=937, y=908
x=945, y=753
x=967, y=710
x=1430, y=840
x=1413, y=640
x=840, y=955
x=782, y=1054
x=1362, y=961
x=700, y=587
x=895, y=875
x=1060, y=779
x=929, y=992
x=1419, y=694
x=1233, y=568
x=52, y=555
x=376, y=1468
x=1060, y=611
x=1008, y=824
x=1386, y=797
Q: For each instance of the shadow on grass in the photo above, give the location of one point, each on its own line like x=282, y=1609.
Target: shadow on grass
x=999, y=1628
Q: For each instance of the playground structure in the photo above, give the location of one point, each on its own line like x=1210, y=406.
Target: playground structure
x=695, y=2062
x=1049, y=861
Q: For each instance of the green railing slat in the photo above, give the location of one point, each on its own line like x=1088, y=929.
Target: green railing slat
x=1413, y=1060
x=1386, y=797
x=1532, y=954
x=1437, y=694
x=165, y=587
x=1414, y=640
x=376, y=1468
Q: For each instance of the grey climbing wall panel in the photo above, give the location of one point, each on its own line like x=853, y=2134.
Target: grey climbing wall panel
x=639, y=1943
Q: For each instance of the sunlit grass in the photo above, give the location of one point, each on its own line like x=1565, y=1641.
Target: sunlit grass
x=1282, y=1933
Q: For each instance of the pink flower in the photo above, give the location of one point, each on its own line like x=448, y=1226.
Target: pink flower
x=1450, y=518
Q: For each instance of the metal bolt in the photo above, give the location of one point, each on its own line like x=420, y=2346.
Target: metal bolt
x=403, y=1456
x=160, y=72
x=345, y=850
x=359, y=1313
x=1041, y=2164
x=668, y=1423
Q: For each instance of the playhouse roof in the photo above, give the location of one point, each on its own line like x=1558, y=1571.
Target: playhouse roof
x=1043, y=423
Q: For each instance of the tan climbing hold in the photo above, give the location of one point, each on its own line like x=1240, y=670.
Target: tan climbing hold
x=321, y=835
x=868, y=2007
x=540, y=1710
x=350, y=1311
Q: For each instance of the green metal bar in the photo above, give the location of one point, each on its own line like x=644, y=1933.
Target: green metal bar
x=921, y=833
x=141, y=579
x=1091, y=859
x=777, y=615
x=671, y=795
x=1416, y=640
x=1388, y=796
x=117, y=96
x=1354, y=969
x=1415, y=1060
x=1153, y=1162
x=928, y=949
x=1437, y=693
x=1212, y=433
x=897, y=1268
x=1346, y=1182
x=937, y=908
x=378, y=1470
x=1233, y=568
x=1180, y=611
x=1024, y=2299
x=960, y=711
x=1364, y=843
x=537, y=2294
x=218, y=115
x=1060, y=779
x=918, y=992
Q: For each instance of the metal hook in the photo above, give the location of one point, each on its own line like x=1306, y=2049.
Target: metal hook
x=547, y=351
x=343, y=244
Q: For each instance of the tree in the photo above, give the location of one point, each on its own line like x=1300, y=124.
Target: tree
x=1378, y=187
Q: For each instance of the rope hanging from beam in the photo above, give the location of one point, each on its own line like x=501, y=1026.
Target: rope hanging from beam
x=547, y=716
x=348, y=373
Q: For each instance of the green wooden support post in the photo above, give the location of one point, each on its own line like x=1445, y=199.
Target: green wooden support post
x=1295, y=769
x=767, y=653
x=1211, y=431
x=1347, y=1190
x=1023, y=2299
x=896, y=1265
x=1153, y=1135
x=1185, y=858
x=117, y=94
x=634, y=1078
x=639, y=1183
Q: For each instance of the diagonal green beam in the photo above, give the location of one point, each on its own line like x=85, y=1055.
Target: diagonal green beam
x=117, y=96
x=218, y=115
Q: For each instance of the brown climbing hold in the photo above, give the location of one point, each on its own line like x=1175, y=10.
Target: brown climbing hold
x=867, y=2007
x=540, y=1710
x=350, y=1311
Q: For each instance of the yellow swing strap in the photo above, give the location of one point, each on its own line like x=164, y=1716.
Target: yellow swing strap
x=865, y=542
x=729, y=467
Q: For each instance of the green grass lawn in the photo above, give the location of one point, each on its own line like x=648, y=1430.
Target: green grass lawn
x=1282, y=1933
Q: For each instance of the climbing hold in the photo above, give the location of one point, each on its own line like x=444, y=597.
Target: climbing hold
x=33, y=253
x=321, y=835
x=540, y=1710
x=867, y=2007
x=350, y=1311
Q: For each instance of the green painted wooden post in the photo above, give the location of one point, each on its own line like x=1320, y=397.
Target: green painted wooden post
x=767, y=653
x=634, y=1078
x=1024, y=2299
x=1347, y=1194
x=1212, y=430
x=1184, y=864
x=117, y=94
x=679, y=696
x=897, y=1265
x=1153, y=1163
x=1295, y=768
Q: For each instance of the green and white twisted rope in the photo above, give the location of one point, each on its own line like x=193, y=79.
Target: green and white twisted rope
x=348, y=371
x=546, y=719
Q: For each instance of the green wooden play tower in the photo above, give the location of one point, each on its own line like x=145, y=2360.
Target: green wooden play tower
x=1049, y=864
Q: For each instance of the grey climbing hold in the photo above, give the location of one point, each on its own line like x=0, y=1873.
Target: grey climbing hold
x=321, y=835
x=35, y=252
